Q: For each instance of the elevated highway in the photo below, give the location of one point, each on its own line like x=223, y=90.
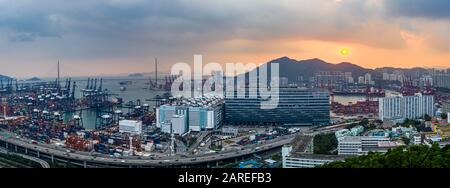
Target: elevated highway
x=43, y=163
x=85, y=159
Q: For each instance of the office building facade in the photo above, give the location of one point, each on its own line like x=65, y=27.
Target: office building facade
x=295, y=107
x=441, y=78
x=361, y=145
x=293, y=159
x=446, y=106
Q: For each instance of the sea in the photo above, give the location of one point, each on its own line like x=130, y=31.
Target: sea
x=138, y=89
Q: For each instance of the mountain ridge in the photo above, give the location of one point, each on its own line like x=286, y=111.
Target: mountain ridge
x=3, y=77
x=293, y=69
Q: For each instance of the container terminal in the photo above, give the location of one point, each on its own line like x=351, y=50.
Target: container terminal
x=34, y=119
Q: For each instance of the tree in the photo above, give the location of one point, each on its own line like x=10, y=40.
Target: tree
x=443, y=115
x=417, y=156
x=325, y=143
x=406, y=140
x=364, y=122
x=420, y=126
x=427, y=117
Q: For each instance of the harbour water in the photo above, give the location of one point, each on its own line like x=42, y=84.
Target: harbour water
x=136, y=89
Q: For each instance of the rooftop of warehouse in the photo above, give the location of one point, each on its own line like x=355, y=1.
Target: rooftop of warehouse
x=351, y=139
x=317, y=156
x=208, y=101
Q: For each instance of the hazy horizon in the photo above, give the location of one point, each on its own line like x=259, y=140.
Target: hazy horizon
x=165, y=72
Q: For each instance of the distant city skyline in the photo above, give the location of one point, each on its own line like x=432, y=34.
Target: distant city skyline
x=112, y=37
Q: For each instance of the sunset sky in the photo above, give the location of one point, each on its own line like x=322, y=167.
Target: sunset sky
x=92, y=37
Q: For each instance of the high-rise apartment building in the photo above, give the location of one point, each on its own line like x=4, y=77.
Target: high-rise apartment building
x=399, y=108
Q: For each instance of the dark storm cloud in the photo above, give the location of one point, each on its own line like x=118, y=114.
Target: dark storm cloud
x=182, y=21
x=23, y=26
x=98, y=29
x=430, y=9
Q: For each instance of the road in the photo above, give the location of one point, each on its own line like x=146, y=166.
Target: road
x=198, y=141
x=43, y=163
x=166, y=161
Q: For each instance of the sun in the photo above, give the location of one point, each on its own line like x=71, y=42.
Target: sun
x=344, y=51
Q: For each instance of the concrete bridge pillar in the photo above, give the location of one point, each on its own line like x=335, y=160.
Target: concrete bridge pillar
x=84, y=164
x=53, y=158
x=26, y=150
x=38, y=154
x=15, y=148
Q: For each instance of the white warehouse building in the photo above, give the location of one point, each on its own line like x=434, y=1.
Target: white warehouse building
x=176, y=125
x=293, y=159
x=201, y=114
x=130, y=126
x=361, y=145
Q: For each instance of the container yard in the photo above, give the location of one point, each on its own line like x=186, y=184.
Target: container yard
x=358, y=108
x=36, y=111
x=57, y=115
x=49, y=113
